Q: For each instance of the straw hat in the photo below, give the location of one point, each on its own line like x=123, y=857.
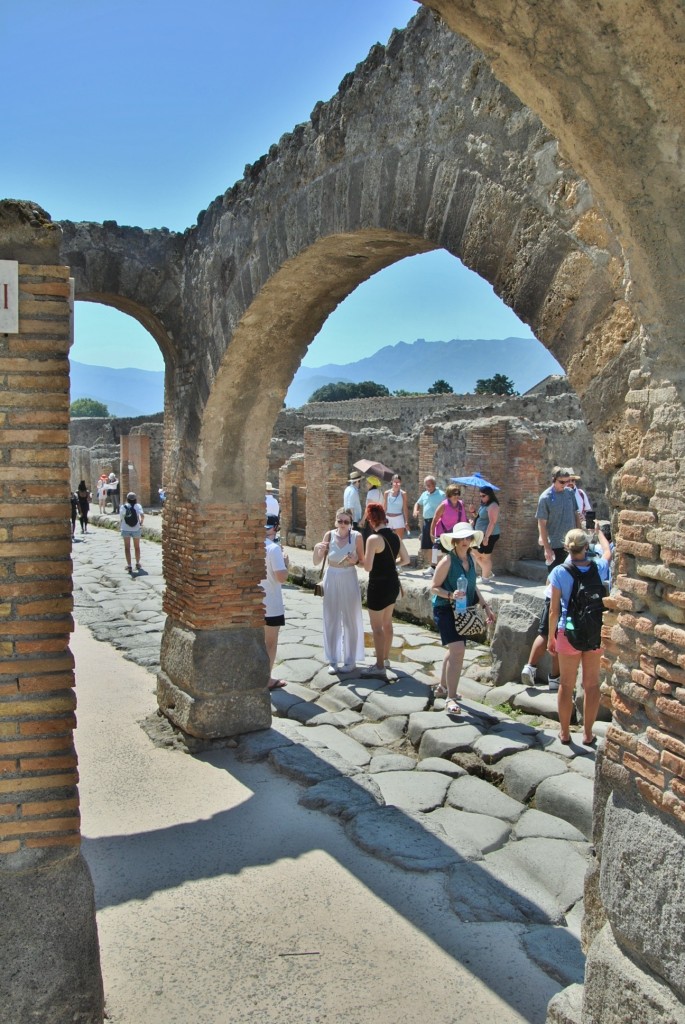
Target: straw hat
x=460, y=531
x=354, y=475
x=374, y=481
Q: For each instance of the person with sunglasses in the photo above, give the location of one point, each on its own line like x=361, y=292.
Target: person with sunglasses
x=343, y=628
x=487, y=521
x=557, y=513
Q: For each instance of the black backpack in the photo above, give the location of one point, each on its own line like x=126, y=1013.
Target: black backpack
x=585, y=608
x=130, y=515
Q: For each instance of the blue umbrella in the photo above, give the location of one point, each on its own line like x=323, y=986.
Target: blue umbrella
x=475, y=480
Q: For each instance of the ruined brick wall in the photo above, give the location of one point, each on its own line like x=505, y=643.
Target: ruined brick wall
x=326, y=460
x=135, y=467
x=38, y=795
x=292, y=495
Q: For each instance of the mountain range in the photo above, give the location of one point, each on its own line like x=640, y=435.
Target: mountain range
x=405, y=366
x=417, y=365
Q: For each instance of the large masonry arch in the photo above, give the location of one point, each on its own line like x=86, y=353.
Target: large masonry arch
x=421, y=148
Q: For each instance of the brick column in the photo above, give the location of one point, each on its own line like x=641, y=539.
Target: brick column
x=290, y=479
x=214, y=668
x=135, y=467
x=49, y=967
x=326, y=468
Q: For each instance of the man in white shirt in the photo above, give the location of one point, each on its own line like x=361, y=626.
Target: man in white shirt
x=274, y=610
x=273, y=509
x=582, y=500
x=351, y=499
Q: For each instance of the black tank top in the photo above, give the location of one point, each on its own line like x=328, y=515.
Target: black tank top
x=384, y=561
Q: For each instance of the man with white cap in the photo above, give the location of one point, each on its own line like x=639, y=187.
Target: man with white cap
x=351, y=498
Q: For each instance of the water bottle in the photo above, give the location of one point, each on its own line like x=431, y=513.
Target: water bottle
x=460, y=600
x=569, y=627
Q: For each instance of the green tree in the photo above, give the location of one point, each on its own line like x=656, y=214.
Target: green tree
x=401, y=393
x=441, y=387
x=88, y=407
x=500, y=384
x=342, y=390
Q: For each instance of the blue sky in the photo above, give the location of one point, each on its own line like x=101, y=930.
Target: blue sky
x=142, y=111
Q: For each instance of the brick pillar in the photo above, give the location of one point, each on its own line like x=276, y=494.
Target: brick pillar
x=291, y=479
x=428, y=451
x=49, y=967
x=214, y=668
x=135, y=467
x=326, y=469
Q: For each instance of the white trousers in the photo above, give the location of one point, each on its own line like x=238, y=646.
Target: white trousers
x=343, y=628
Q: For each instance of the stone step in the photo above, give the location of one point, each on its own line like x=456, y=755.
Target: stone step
x=530, y=569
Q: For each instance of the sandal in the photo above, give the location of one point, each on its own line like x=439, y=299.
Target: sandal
x=277, y=684
x=439, y=690
x=567, y=742
x=592, y=742
x=451, y=707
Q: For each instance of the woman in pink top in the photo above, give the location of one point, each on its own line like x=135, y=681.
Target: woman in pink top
x=450, y=512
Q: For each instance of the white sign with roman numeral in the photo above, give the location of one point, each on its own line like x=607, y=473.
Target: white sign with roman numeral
x=9, y=297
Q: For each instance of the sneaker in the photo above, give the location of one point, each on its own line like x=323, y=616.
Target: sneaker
x=528, y=675
x=332, y=670
x=387, y=662
x=553, y=684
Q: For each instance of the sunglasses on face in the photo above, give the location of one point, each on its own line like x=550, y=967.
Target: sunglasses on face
x=346, y=522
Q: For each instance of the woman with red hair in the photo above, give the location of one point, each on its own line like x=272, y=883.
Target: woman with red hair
x=384, y=550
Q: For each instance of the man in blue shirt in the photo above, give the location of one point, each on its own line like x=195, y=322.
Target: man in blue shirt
x=426, y=503
x=557, y=513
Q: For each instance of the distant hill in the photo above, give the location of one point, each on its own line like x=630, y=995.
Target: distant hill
x=415, y=366
x=128, y=392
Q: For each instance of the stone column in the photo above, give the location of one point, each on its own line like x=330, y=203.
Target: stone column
x=214, y=668
x=49, y=968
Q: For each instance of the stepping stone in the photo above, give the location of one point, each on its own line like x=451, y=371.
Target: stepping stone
x=537, y=702
x=413, y=791
x=256, y=746
x=422, y=721
x=440, y=764
x=306, y=712
x=338, y=698
x=492, y=747
x=339, y=741
x=404, y=697
x=379, y=734
x=473, y=690
x=538, y=825
x=443, y=742
x=468, y=832
x=523, y=772
x=503, y=694
x=391, y=763
x=556, y=952
x=297, y=671
x=425, y=655
x=393, y=836
x=343, y=797
x=478, y=796
x=568, y=796
x=340, y=719
x=309, y=766
x=532, y=880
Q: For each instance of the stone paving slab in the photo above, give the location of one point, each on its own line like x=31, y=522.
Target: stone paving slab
x=493, y=747
x=443, y=742
x=391, y=763
x=478, y=796
x=393, y=836
x=343, y=797
x=379, y=734
x=539, y=825
x=310, y=766
x=342, y=743
x=568, y=796
x=523, y=772
x=440, y=764
x=556, y=952
x=411, y=791
x=467, y=831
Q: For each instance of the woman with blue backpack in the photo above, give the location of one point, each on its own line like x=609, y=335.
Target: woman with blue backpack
x=131, y=517
x=575, y=628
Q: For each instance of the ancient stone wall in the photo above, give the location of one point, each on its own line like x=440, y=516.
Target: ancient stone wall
x=292, y=495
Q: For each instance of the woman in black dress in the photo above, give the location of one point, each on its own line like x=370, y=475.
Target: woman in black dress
x=383, y=551
x=83, y=495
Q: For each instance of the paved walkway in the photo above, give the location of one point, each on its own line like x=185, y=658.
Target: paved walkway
x=446, y=870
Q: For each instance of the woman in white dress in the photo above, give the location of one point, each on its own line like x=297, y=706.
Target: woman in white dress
x=395, y=504
x=343, y=629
